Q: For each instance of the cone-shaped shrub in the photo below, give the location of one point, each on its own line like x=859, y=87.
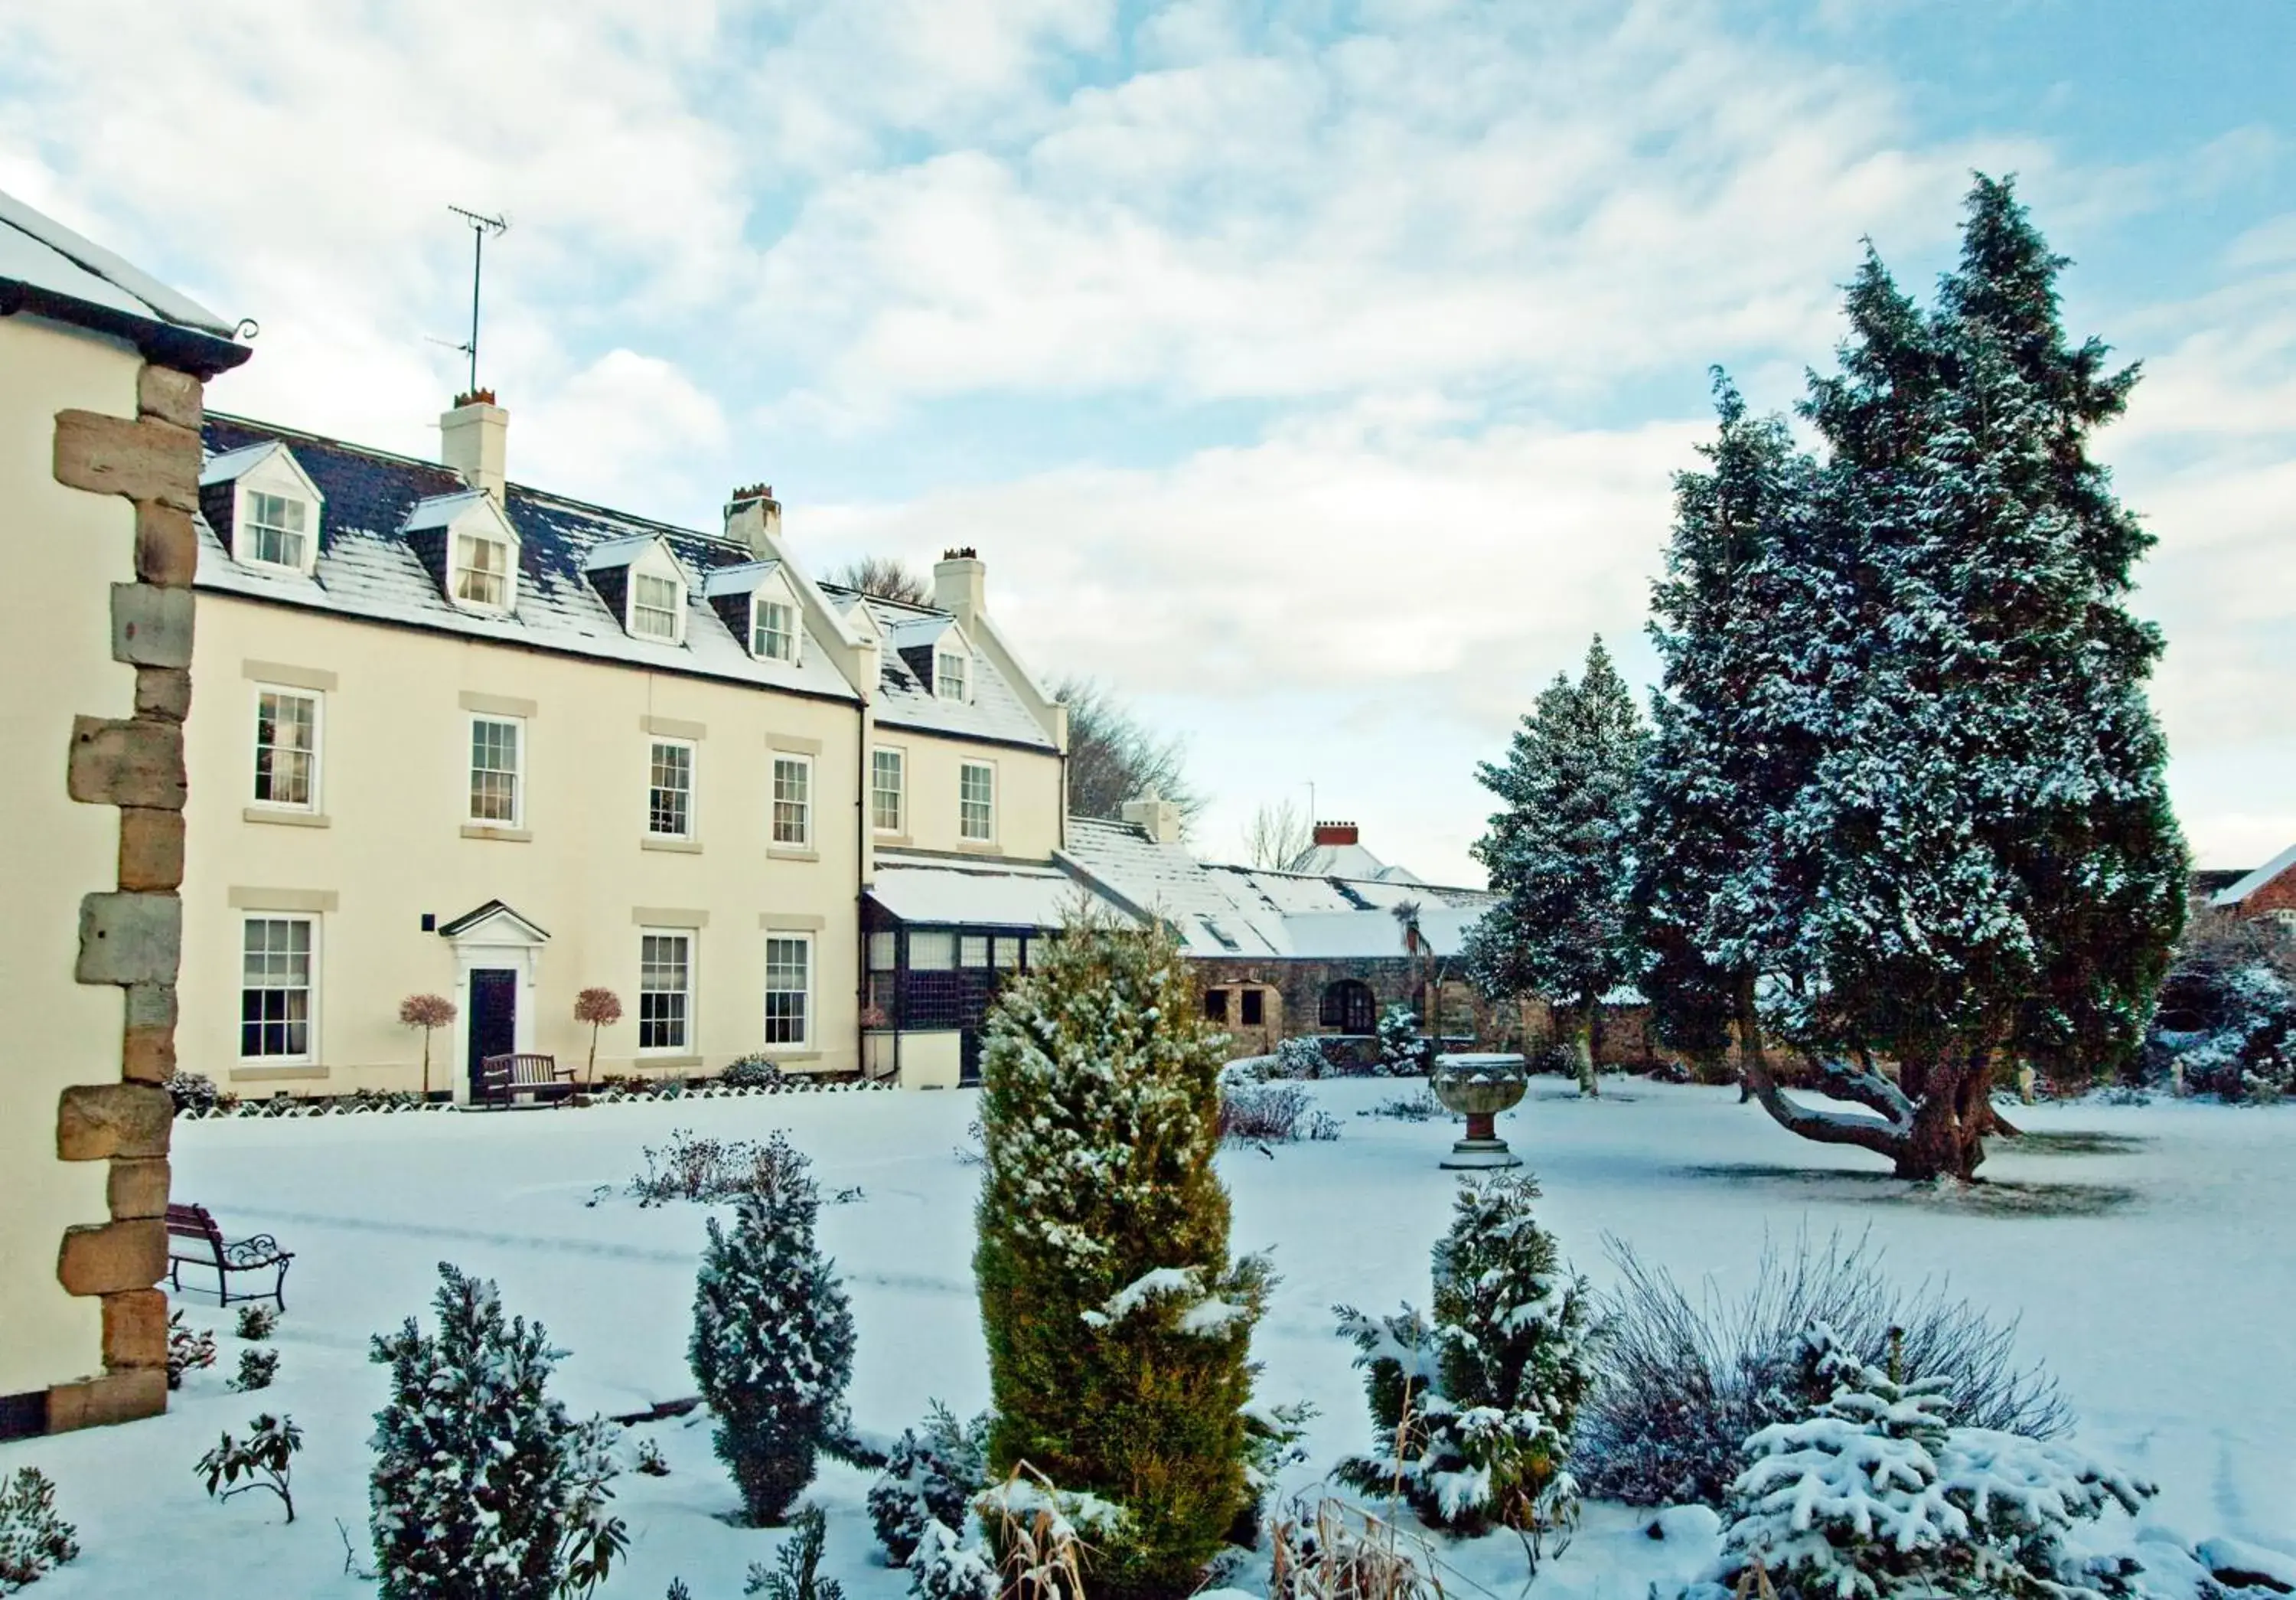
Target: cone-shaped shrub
x=1119, y=1331
x=772, y=1338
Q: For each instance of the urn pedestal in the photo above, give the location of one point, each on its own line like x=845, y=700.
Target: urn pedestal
x=1479, y=1087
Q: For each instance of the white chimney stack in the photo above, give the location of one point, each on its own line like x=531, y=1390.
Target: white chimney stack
x=960, y=585
x=474, y=441
x=1154, y=816
x=754, y=517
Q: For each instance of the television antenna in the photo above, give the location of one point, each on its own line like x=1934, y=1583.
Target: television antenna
x=480, y=226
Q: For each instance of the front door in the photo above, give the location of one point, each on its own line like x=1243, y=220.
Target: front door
x=494, y=1016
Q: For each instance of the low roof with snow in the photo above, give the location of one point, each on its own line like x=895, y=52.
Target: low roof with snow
x=47, y=269
x=990, y=892
x=2234, y=893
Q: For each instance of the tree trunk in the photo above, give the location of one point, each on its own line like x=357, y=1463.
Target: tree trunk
x=590, y=1070
x=1947, y=1138
x=426, y=1063
x=1590, y=1077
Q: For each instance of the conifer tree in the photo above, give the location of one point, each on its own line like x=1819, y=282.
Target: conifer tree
x=772, y=1348
x=483, y=1488
x=1559, y=853
x=1117, y=1329
x=1473, y=1409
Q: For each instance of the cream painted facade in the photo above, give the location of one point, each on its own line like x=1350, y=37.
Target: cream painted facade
x=384, y=853
x=66, y=549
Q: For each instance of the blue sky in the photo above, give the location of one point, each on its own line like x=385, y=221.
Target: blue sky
x=1311, y=373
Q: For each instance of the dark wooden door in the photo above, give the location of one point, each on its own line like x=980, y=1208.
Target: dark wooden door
x=493, y=1017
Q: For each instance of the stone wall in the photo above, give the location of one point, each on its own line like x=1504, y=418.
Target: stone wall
x=1296, y=988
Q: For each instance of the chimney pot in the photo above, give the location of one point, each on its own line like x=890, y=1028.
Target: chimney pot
x=1337, y=833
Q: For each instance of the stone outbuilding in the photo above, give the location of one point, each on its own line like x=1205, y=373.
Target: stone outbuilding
x=2268, y=891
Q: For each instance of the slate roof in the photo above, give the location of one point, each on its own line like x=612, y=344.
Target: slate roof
x=47, y=269
x=907, y=700
x=366, y=569
x=2234, y=894
x=1243, y=911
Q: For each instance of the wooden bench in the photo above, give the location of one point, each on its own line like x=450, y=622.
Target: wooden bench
x=501, y=1078
x=204, y=1245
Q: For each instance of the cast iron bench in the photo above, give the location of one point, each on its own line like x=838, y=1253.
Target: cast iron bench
x=204, y=1245
x=503, y=1077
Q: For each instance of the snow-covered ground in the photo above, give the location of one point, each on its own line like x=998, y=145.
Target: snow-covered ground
x=2154, y=1271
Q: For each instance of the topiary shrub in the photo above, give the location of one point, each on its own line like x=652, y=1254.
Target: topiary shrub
x=1118, y=1331
x=196, y=1092
x=752, y=1072
x=1404, y=1052
x=483, y=1488
x=1473, y=1409
x=772, y=1348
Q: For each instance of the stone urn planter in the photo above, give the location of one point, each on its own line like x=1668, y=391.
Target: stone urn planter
x=1479, y=1087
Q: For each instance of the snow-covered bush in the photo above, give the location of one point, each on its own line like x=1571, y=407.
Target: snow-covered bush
x=257, y=1322
x=1876, y=1494
x=196, y=1092
x=1473, y=1407
x=483, y=1488
x=751, y=1072
x=772, y=1348
x=1404, y=1052
x=258, y=1369
x=265, y=1458
x=1119, y=1331
x=694, y=1167
x=188, y=1349
x=945, y=1567
x=1420, y=1105
x=930, y=1476
x=2227, y=1013
x=34, y=1540
x=1264, y=1113
x=1682, y=1384
x=796, y=1572
x=1302, y=1058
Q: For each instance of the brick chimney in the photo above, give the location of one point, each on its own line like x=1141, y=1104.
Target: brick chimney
x=1335, y=833
x=1154, y=816
x=473, y=439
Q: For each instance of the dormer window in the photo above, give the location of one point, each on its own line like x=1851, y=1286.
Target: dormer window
x=772, y=631
x=657, y=603
x=482, y=573
x=278, y=530
x=948, y=674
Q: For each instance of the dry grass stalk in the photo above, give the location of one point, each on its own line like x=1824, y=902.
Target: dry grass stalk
x=1335, y=1551
x=1039, y=1551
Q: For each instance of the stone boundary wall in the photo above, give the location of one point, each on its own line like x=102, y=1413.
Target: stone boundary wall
x=131, y=933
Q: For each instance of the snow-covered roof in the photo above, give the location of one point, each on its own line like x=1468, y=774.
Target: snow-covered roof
x=1248, y=911
x=2234, y=894
x=1012, y=894
x=234, y=464
x=365, y=568
x=48, y=269
x=905, y=700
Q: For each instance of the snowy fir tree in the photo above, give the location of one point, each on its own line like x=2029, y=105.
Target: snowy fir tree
x=772, y=1348
x=930, y=1476
x=1404, y=1051
x=1558, y=853
x=1119, y=1331
x=483, y=1488
x=1707, y=787
x=1976, y=861
x=1875, y=1495
x=945, y=1567
x=1473, y=1408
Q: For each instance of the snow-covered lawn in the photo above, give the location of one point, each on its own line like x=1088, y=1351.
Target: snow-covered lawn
x=2155, y=1268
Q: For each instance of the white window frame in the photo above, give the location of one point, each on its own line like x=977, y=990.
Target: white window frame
x=458, y=569
x=310, y=804
x=690, y=1014
x=471, y=769
x=790, y=634
x=942, y=657
x=674, y=609
x=310, y=989
x=804, y=1035
x=802, y=764
x=655, y=745
x=963, y=831
x=251, y=529
x=899, y=791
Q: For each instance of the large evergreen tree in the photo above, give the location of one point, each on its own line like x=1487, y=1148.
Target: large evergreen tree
x=1119, y=1331
x=1558, y=853
x=1979, y=862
